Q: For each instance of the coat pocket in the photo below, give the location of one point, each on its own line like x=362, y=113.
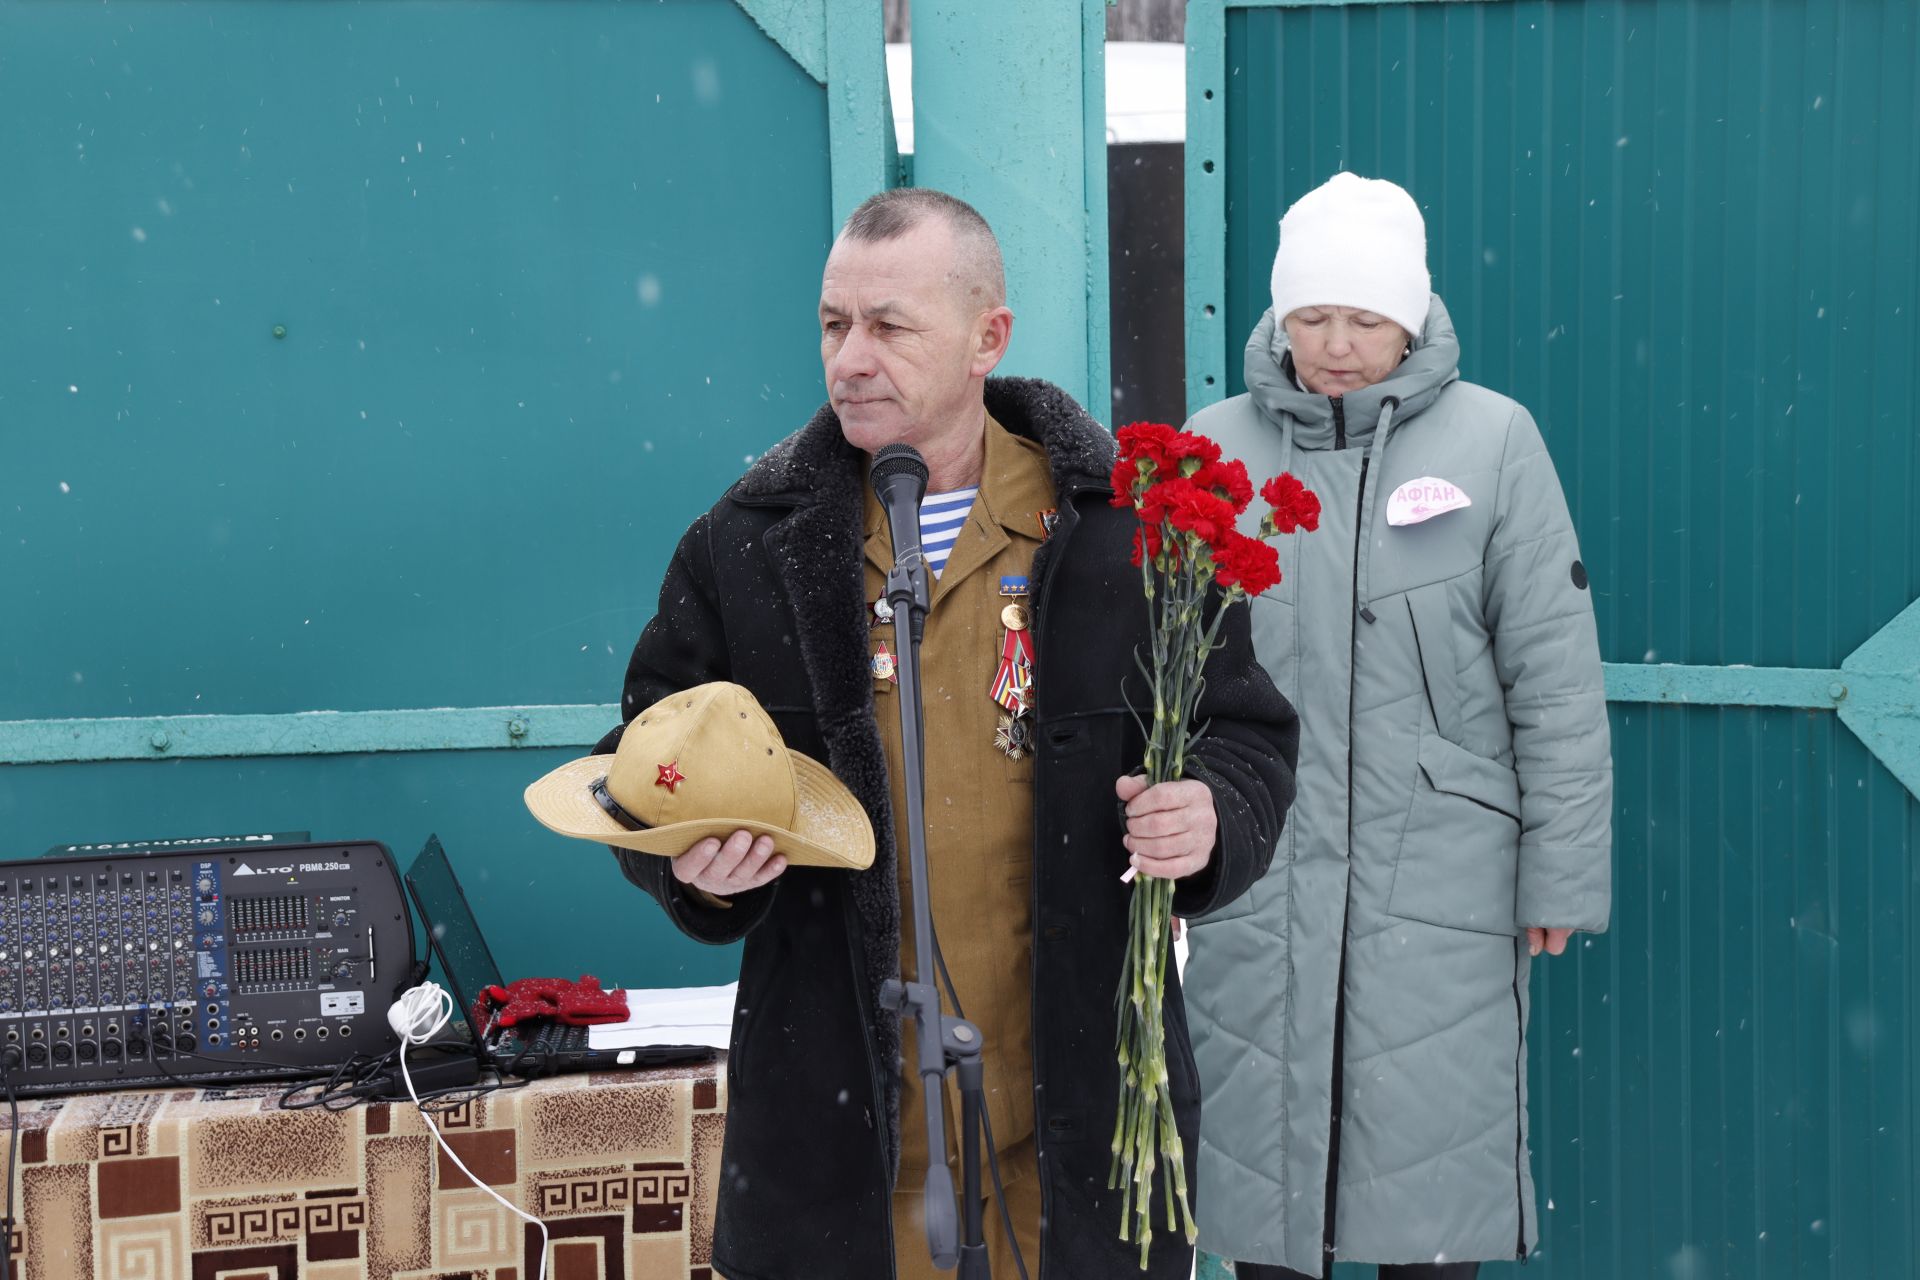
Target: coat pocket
x=1460, y=850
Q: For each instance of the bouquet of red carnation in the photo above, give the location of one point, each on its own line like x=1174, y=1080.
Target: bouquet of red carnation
x=1189, y=502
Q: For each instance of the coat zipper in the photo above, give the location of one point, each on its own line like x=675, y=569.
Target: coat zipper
x=1340, y=433
x=1519, y=1146
x=1346, y=904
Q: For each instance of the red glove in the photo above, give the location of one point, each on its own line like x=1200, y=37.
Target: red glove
x=578, y=1004
x=584, y=1004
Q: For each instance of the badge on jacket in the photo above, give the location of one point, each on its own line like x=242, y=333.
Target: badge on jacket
x=1423, y=499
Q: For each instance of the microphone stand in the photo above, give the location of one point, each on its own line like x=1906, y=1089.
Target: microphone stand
x=945, y=1043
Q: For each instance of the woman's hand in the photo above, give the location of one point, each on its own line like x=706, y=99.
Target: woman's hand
x=1553, y=940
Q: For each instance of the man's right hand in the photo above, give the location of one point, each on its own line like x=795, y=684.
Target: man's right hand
x=741, y=863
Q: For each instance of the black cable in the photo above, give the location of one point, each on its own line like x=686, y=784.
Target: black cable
x=347, y=1085
x=986, y=1118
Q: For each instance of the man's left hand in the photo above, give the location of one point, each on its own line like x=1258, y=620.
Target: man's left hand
x=1170, y=826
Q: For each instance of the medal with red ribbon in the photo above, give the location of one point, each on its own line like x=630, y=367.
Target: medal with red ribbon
x=1012, y=686
x=1013, y=681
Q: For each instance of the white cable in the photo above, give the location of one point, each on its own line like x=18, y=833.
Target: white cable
x=416, y=1018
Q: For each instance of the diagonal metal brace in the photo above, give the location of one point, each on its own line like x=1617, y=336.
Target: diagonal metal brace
x=1876, y=690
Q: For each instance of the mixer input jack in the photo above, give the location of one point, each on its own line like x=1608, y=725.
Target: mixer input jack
x=277, y=1034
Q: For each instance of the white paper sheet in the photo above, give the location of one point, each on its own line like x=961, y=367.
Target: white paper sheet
x=676, y=1015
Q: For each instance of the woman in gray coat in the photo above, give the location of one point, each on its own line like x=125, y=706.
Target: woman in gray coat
x=1359, y=1018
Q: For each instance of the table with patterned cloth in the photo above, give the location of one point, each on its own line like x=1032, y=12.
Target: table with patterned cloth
x=222, y=1184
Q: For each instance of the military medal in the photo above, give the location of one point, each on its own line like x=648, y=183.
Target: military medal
x=882, y=611
x=1014, y=735
x=1048, y=518
x=883, y=664
x=1012, y=686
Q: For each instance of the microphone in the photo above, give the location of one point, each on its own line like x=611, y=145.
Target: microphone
x=900, y=482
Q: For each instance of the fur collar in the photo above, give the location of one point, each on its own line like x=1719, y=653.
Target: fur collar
x=816, y=550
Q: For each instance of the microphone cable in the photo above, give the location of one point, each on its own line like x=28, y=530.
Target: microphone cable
x=417, y=1017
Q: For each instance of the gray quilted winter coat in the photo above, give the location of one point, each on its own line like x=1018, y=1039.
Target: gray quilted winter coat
x=1455, y=786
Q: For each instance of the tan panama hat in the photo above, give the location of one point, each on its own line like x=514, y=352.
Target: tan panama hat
x=706, y=762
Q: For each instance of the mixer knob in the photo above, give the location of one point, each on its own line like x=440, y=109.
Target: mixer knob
x=206, y=917
x=204, y=884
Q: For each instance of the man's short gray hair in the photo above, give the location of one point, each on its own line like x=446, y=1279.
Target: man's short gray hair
x=891, y=214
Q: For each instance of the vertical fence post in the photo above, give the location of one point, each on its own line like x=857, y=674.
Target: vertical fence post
x=1009, y=114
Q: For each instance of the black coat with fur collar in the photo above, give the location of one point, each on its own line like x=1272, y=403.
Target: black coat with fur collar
x=766, y=590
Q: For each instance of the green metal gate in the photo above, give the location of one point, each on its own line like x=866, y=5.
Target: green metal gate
x=373, y=356
x=1686, y=233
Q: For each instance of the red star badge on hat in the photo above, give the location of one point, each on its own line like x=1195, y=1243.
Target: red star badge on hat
x=670, y=776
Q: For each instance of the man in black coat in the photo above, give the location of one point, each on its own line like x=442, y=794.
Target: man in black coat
x=769, y=590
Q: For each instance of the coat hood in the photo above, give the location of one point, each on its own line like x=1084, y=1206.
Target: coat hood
x=1433, y=363
x=1307, y=420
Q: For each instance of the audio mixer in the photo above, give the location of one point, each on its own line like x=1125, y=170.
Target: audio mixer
x=202, y=965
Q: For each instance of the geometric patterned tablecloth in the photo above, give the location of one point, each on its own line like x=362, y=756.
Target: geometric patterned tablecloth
x=221, y=1184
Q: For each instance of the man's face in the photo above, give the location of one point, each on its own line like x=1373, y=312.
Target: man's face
x=901, y=339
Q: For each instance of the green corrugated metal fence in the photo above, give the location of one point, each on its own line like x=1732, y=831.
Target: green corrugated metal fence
x=370, y=356
x=1686, y=233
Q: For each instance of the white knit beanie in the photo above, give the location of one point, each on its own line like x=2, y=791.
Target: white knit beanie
x=1354, y=242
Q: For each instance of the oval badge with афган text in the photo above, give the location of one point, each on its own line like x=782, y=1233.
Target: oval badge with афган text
x=1423, y=499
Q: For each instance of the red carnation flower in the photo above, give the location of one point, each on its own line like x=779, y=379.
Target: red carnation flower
x=1150, y=441
x=1248, y=563
x=1294, y=505
x=1160, y=498
x=1185, y=446
x=1200, y=512
x=1227, y=479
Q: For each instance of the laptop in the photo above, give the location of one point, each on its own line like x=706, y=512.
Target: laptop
x=542, y=1047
